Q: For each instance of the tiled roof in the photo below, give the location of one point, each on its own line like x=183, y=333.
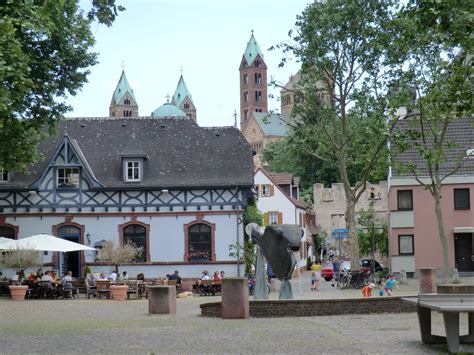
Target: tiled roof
x=281, y=178
x=460, y=131
x=252, y=50
x=272, y=124
x=180, y=153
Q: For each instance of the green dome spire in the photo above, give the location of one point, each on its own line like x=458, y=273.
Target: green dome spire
x=168, y=110
x=252, y=50
x=122, y=88
x=180, y=93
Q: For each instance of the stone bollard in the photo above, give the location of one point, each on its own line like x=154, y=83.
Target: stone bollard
x=235, y=298
x=162, y=299
x=427, y=280
x=403, y=277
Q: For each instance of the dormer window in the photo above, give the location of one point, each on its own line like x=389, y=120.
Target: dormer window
x=68, y=178
x=3, y=175
x=126, y=101
x=133, y=170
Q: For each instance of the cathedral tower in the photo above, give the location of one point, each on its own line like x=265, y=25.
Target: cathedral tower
x=123, y=103
x=182, y=99
x=253, y=82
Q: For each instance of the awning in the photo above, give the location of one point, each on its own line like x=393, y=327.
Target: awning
x=463, y=230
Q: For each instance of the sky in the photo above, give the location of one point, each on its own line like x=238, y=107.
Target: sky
x=155, y=39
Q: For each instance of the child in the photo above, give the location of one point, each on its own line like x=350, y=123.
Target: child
x=367, y=290
x=388, y=286
x=315, y=275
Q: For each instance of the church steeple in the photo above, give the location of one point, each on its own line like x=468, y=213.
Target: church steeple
x=183, y=99
x=253, y=82
x=123, y=103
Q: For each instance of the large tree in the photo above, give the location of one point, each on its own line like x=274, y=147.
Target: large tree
x=438, y=65
x=45, y=52
x=348, y=45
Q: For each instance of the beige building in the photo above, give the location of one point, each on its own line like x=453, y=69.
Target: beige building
x=330, y=206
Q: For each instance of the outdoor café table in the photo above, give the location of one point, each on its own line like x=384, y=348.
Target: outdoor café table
x=450, y=305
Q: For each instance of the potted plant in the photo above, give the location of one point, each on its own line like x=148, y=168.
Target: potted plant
x=19, y=259
x=118, y=255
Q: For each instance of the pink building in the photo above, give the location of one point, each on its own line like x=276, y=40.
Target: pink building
x=414, y=241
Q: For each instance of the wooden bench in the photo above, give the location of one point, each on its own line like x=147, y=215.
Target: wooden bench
x=450, y=305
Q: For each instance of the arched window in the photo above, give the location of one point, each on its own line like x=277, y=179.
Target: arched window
x=200, y=242
x=7, y=232
x=136, y=234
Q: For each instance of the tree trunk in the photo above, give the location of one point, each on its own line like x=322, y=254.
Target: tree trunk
x=352, y=235
x=442, y=235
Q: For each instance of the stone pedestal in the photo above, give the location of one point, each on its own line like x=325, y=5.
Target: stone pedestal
x=162, y=299
x=235, y=298
x=427, y=280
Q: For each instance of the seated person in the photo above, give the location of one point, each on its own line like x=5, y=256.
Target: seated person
x=141, y=277
x=216, y=277
x=102, y=277
x=204, y=276
x=47, y=277
x=175, y=276
x=67, y=278
x=124, y=277
x=112, y=276
x=222, y=274
x=54, y=277
x=37, y=278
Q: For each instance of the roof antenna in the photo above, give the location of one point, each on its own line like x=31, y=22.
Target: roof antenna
x=167, y=98
x=181, y=70
x=123, y=66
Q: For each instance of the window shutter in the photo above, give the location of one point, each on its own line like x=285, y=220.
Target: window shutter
x=259, y=190
x=272, y=190
x=265, y=218
x=280, y=218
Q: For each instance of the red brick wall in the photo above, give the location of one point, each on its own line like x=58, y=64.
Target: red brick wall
x=307, y=308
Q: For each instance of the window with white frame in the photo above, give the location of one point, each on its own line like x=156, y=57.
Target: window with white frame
x=273, y=217
x=68, y=178
x=133, y=170
x=3, y=175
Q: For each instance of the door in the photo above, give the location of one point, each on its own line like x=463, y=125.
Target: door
x=463, y=252
x=70, y=261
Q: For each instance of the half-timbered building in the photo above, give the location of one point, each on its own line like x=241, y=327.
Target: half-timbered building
x=164, y=183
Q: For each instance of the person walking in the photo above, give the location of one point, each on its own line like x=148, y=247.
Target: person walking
x=388, y=286
x=335, y=273
x=315, y=275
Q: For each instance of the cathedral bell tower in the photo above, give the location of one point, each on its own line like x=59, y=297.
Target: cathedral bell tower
x=253, y=82
x=123, y=103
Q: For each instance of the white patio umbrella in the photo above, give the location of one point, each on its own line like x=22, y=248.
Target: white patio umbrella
x=5, y=240
x=44, y=242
